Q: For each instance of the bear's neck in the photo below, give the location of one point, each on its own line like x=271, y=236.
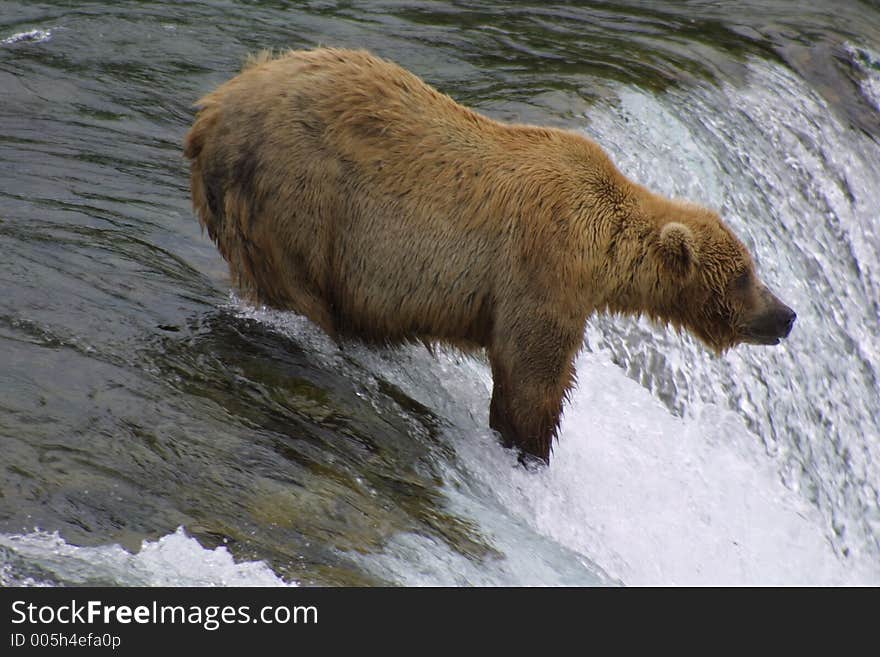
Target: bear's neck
x=626, y=279
x=637, y=303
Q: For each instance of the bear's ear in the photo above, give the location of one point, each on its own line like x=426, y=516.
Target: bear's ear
x=678, y=249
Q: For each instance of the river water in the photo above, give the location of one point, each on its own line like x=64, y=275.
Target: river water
x=157, y=430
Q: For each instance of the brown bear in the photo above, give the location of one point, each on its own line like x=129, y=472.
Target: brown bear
x=343, y=187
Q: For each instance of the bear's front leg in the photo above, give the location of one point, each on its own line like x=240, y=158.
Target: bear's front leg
x=531, y=377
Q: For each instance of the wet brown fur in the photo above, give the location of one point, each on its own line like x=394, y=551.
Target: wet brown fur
x=341, y=186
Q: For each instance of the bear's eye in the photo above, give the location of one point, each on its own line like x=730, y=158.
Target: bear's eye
x=742, y=281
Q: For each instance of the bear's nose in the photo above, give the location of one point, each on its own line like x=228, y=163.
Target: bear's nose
x=786, y=321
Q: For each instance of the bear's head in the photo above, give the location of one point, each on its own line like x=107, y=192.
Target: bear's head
x=713, y=290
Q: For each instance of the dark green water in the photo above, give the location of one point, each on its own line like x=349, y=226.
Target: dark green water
x=137, y=396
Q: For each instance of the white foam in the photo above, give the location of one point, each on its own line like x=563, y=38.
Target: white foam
x=411, y=559
x=868, y=63
x=173, y=560
x=655, y=499
x=31, y=36
x=638, y=494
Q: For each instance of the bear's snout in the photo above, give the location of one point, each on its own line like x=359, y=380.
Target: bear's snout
x=780, y=321
x=772, y=324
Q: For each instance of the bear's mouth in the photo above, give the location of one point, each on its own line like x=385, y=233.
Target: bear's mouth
x=760, y=339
